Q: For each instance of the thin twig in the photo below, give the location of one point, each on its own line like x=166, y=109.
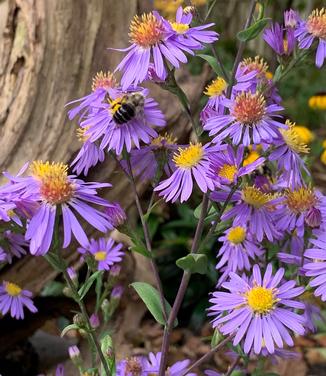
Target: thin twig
x=207, y=356
x=148, y=241
x=182, y=288
x=233, y=365
x=88, y=324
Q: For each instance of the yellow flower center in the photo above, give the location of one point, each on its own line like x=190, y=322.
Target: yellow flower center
x=161, y=140
x=301, y=199
x=257, y=64
x=179, y=28
x=316, y=24
x=252, y=157
x=318, y=102
x=12, y=289
x=103, y=80
x=100, y=255
x=260, y=299
x=227, y=172
x=216, y=87
x=269, y=75
x=81, y=134
x=249, y=108
x=255, y=197
x=291, y=138
x=304, y=134
x=55, y=187
x=237, y=235
x=188, y=157
x=146, y=30
x=285, y=45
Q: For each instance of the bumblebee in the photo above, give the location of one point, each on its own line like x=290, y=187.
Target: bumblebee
x=128, y=107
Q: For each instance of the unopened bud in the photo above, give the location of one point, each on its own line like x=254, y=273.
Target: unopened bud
x=79, y=320
x=67, y=292
x=74, y=355
x=115, y=270
x=117, y=292
x=73, y=275
x=313, y=217
x=94, y=320
x=116, y=214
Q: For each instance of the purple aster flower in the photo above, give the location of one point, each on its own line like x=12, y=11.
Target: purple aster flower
x=281, y=39
x=105, y=251
x=150, y=160
x=155, y=39
x=292, y=250
x=101, y=124
x=259, y=310
x=313, y=28
x=191, y=162
x=301, y=207
x=13, y=298
x=250, y=121
x=6, y=209
x=116, y=214
x=89, y=154
x=253, y=208
x=52, y=188
x=131, y=366
x=238, y=247
x=102, y=82
x=317, y=267
x=13, y=245
x=153, y=362
x=287, y=154
x=216, y=91
x=227, y=166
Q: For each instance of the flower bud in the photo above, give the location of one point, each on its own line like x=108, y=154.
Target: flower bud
x=94, y=320
x=67, y=292
x=78, y=320
x=74, y=355
x=73, y=275
x=291, y=18
x=115, y=271
x=116, y=214
x=117, y=292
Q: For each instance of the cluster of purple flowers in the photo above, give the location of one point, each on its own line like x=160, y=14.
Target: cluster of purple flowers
x=253, y=162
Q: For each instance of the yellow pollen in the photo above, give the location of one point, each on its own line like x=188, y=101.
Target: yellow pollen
x=316, y=23
x=252, y=157
x=188, y=157
x=285, y=45
x=249, y=108
x=318, y=102
x=80, y=132
x=237, y=235
x=12, y=289
x=115, y=104
x=103, y=80
x=292, y=140
x=304, y=134
x=55, y=187
x=100, y=255
x=216, y=87
x=162, y=140
x=146, y=30
x=179, y=28
x=258, y=64
x=227, y=172
x=261, y=299
x=300, y=200
x=269, y=75
x=255, y=197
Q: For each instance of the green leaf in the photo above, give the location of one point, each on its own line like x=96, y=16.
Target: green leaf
x=193, y=263
x=253, y=31
x=151, y=298
x=212, y=62
x=88, y=284
x=140, y=248
x=216, y=338
x=69, y=327
x=211, y=213
x=53, y=288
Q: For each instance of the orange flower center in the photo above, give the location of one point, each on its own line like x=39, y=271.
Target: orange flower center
x=301, y=200
x=103, y=80
x=249, y=108
x=146, y=31
x=316, y=24
x=55, y=186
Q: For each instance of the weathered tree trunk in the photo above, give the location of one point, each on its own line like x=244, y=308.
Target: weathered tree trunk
x=49, y=52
